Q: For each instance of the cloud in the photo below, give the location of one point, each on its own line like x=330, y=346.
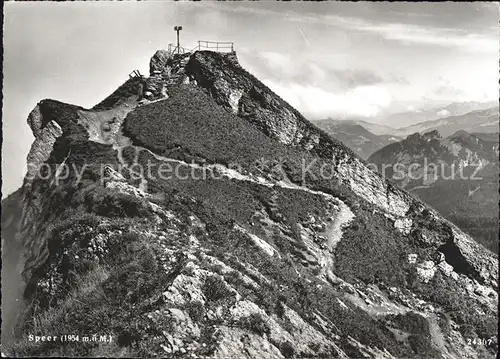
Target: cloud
x=445, y=37
x=412, y=108
x=443, y=113
x=478, y=85
x=310, y=71
x=318, y=89
x=316, y=103
x=275, y=60
x=411, y=33
x=354, y=78
x=434, y=34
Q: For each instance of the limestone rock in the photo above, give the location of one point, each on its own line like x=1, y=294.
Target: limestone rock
x=412, y=258
x=158, y=62
x=426, y=271
x=445, y=268
x=403, y=225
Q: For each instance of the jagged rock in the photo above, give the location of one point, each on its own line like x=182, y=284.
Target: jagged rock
x=163, y=92
x=158, y=62
x=426, y=270
x=45, y=137
x=403, y=225
x=445, y=268
x=412, y=258
x=234, y=98
x=485, y=267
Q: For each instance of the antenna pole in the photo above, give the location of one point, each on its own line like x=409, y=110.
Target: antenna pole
x=178, y=29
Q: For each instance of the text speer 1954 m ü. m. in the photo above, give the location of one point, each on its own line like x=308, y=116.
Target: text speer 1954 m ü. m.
x=70, y=338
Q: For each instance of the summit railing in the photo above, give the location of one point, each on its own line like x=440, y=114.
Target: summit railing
x=217, y=46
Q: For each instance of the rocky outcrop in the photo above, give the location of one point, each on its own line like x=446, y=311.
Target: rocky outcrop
x=470, y=258
x=224, y=78
x=159, y=62
x=42, y=147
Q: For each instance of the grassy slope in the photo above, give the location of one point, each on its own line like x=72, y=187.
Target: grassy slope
x=200, y=127
x=12, y=247
x=219, y=202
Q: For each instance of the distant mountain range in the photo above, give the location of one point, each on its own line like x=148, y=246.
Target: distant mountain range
x=482, y=121
x=409, y=118
x=457, y=175
x=364, y=137
x=463, y=142
x=358, y=135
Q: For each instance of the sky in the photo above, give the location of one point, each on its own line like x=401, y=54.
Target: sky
x=330, y=59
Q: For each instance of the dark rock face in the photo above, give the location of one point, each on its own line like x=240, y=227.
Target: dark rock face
x=233, y=253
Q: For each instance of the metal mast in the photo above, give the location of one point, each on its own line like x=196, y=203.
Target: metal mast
x=178, y=29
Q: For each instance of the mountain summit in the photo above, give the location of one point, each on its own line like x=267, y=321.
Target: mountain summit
x=457, y=175
x=195, y=213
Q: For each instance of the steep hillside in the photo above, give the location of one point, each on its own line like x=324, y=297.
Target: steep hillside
x=11, y=249
x=197, y=214
x=356, y=137
x=457, y=175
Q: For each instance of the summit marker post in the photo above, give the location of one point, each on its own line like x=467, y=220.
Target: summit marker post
x=178, y=29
